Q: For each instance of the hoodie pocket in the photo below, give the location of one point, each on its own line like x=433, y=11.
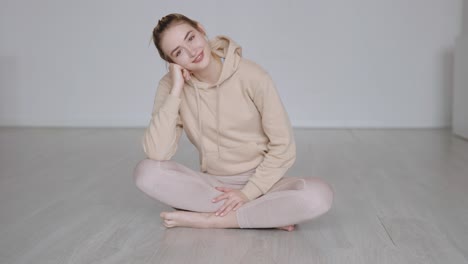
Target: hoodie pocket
x=235, y=160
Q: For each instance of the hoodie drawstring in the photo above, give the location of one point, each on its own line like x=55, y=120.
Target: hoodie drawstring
x=200, y=127
x=236, y=54
x=218, y=92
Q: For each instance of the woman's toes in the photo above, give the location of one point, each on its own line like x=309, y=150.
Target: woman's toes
x=164, y=215
x=168, y=223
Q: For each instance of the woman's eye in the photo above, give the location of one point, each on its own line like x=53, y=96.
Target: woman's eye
x=177, y=53
x=192, y=37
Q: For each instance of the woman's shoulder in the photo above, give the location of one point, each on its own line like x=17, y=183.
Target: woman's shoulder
x=250, y=69
x=164, y=85
x=254, y=76
x=165, y=80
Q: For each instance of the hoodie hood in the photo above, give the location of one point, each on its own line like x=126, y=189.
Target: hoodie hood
x=228, y=49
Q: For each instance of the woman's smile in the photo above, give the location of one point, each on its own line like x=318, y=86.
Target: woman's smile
x=199, y=58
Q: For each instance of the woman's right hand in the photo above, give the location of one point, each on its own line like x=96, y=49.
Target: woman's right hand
x=179, y=75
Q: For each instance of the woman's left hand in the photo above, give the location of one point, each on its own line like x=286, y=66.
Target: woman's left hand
x=234, y=200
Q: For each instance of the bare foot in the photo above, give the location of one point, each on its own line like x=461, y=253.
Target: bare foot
x=186, y=219
x=288, y=228
x=204, y=220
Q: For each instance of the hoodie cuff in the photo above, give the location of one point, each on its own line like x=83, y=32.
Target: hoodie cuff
x=251, y=191
x=171, y=104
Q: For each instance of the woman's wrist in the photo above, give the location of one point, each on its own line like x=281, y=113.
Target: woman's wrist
x=176, y=91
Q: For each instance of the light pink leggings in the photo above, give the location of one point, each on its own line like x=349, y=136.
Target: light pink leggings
x=290, y=201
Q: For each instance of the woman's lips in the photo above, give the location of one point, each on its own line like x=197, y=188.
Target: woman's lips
x=199, y=58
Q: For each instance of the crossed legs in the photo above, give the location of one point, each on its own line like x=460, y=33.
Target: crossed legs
x=290, y=201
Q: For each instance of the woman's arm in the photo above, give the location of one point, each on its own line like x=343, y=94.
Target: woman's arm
x=161, y=137
x=281, y=148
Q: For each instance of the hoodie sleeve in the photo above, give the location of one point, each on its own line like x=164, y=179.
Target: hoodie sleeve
x=281, y=148
x=165, y=128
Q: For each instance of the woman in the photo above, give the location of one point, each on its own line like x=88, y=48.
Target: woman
x=230, y=110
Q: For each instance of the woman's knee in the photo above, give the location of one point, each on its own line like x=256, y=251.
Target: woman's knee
x=146, y=171
x=319, y=195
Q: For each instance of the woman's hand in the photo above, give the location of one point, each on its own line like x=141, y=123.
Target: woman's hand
x=234, y=200
x=179, y=75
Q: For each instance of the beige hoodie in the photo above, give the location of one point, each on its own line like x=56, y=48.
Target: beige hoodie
x=237, y=124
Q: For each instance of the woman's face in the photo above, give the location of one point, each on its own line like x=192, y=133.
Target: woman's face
x=186, y=46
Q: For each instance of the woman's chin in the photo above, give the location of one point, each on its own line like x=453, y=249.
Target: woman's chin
x=199, y=67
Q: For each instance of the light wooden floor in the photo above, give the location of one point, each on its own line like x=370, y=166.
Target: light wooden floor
x=67, y=196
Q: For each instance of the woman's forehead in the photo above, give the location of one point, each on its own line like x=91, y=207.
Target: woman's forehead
x=175, y=35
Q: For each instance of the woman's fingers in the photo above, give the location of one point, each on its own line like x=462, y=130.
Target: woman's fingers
x=237, y=206
x=186, y=74
x=229, y=205
x=222, y=210
x=179, y=74
x=224, y=206
x=221, y=197
x=228, y=209
x=223, y=189
x=233, y=201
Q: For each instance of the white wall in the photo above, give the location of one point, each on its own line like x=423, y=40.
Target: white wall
x=465, y=18
x=460, y=89
x=362, y=63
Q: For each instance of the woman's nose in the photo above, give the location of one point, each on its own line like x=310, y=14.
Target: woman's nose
x=192, y=52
